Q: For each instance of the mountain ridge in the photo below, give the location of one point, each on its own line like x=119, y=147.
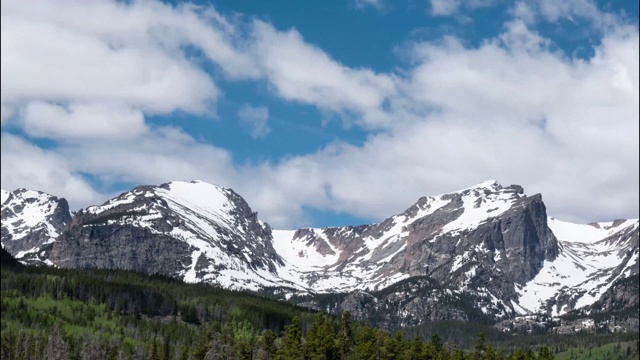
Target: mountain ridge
x=487, y=241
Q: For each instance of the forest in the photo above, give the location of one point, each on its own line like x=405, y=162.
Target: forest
x=50, y=313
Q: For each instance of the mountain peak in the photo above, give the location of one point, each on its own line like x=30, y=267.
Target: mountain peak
x=211, y=230
x=31, y=221
x=488, y=184
x=5, y=196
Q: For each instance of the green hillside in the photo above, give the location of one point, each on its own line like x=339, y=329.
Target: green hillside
x=50, y=313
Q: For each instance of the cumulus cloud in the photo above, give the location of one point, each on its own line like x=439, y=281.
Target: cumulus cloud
x=444, y=7
x=453, y=7
x=377, y=4
x=255, y=119
x=5, y=113
x=163, y=155
x=25, y=165
x=300, y=72
x=512, y=108
x=570, y=10
x=82, y=121
x=100, y=61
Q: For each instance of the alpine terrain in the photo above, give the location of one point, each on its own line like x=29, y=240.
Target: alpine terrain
x=488, y=253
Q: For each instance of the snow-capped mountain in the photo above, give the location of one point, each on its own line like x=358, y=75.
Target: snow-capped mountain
x=31, y=222
x=591, y=258
x=487, y=234
x=194, y=231
x=488, y=247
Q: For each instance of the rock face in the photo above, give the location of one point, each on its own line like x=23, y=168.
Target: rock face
x=31, y=222
x=194, y=231
x=487, y=253
x=483, y=239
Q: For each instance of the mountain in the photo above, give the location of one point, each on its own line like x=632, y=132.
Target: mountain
x=194, y=231
x=482, y=240
x=591, y=258
x=485, y=253
x=31, y=222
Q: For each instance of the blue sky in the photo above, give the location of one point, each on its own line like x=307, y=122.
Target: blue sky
x=325, y=112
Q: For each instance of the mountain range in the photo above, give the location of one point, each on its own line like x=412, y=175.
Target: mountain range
x=488, y=253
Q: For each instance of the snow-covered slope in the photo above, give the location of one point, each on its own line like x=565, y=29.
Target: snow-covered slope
x=591, y=258
x=202, y=233
x=491, y=243
x=356, y=257
x=31, y=222
x=471, y=240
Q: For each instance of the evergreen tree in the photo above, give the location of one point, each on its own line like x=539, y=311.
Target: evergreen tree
x=480, y=347
x=166, y=348
x=366, y=344
x=320, y=340
x=544, y=353
x=153, y=353
x=519, y=355
x=395, y=345
x=5, y=346
x=492, y=354
x=266, y=348
x=345, y=335
x=291, y=348
x=204, y=343
x=436, y=341
x=416, y=351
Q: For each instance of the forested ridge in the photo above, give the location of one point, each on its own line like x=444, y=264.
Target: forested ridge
x=50, y=313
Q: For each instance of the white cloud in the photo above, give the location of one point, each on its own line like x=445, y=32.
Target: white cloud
x=444, y=7
x=255, y=119
x=304, y=73
x=511, y=109
x=86, y=55
x=453, y=7
x=96, y=64
x=82, y=121
x=571, y=10
x=165, y=154
x=27, y=166
x=377, y=4
x=5, y=113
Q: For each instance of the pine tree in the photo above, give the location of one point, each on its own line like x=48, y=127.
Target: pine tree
x=481, y=346
x=265, y=348
x=519, y=355
x=436, y=341
x=417, y=350
x=544, y=353
x=153, y=354
x=320, y=340
x=366, y=344
x=291, y=348
x=204, y=343
x=345, y=335
x=166, y=348
x=395, y=345
x=492, y=354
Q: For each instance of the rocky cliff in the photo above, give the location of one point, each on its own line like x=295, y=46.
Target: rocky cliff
x=194, y=231
x=31, y=222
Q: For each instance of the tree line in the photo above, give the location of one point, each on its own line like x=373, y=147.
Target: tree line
x=50, y=313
